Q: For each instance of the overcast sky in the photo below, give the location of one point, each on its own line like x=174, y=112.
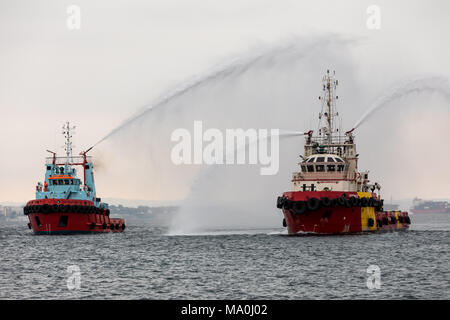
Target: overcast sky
x=127, y=53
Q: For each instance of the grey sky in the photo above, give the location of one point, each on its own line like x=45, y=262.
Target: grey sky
x=127, y=53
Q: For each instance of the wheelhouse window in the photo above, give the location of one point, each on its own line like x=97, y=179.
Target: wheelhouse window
x=320, y=159
x=331, y=167
x=338, y=160
x=310, y=168
x=304, y=168
x=340, y=167
x=330, y=159
x=311, y=160
x=320, y=168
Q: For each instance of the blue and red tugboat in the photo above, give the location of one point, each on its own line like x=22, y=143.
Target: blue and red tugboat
x=64, y=203
x=329, y=195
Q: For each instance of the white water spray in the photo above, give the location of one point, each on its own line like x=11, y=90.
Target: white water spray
x=433, y=84
x=235, y=67
x=206, y=212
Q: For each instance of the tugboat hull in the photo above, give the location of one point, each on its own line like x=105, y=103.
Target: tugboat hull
x=326, y=213
x=56, y=216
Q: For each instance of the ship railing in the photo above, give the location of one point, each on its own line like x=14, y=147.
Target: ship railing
x=324, y=140
x=75, y=160
x=298, y=176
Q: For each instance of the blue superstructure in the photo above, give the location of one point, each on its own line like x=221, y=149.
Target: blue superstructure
x=61, y=180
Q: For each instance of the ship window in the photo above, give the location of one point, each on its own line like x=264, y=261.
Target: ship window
x=86, y=166
x=49, y=168
x=310, y=168
x=338, y=160
x=331, y=167
x=320, y=159
x=304, y=168
x=63, y=221
x=66, y=181
x=320, y=168
x=311, y=160
x=341, y=167
x=38, y=221
x=330, y=160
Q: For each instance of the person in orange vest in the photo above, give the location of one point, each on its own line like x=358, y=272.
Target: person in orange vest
x=45, y=186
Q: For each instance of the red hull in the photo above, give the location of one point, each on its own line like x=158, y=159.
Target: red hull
x=59, y=216
x=340, y=219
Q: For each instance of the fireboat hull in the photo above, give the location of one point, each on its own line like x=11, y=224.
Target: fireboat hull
x=60, y=216
x=331, y=216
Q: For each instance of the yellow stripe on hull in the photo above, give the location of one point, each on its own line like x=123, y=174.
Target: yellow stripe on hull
x=366, y=213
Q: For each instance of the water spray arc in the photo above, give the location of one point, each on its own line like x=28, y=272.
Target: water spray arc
x=430, y=84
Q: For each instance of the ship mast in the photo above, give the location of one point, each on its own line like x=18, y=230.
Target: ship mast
x=67, y=132
x=329, y=110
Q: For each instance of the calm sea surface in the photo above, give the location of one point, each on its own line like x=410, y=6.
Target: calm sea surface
x=145, y=263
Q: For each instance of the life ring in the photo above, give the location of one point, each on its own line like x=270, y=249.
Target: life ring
x=299, y=207
x=326, y=202
x=313, y=204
